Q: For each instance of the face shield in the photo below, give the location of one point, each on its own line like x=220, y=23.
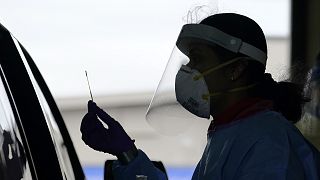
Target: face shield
x=182, y=96
x=313, y=107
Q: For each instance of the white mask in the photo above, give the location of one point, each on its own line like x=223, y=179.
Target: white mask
x=190, y=91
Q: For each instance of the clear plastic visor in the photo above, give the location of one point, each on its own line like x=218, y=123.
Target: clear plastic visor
x=165, y=114
x=313, y=107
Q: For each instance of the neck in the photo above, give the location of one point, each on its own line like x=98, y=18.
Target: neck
x=221, y=103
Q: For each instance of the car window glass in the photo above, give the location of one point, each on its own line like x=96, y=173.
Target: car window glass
x=61, y=149
x=13, y=162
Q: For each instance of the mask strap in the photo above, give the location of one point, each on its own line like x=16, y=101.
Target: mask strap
x=215, y=68
x=207, y=96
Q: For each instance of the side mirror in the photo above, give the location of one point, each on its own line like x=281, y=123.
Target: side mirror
x=108, y=174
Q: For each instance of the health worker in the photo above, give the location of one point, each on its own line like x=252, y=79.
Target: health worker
x=216, y=72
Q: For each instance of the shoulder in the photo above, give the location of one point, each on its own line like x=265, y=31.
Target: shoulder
x=266, y=125
x=268, y=131
x=272, y=135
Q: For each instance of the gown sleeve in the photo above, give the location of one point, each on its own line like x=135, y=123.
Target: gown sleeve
x=141, y=165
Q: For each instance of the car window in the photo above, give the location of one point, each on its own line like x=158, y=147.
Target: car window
x=13, y=162
x=60, y=147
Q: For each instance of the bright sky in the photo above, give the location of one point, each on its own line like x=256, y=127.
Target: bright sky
x=123, y=44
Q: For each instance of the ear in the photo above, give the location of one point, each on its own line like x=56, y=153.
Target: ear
x=237, y=69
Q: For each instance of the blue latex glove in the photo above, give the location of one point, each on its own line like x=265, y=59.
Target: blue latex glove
x=113, y=140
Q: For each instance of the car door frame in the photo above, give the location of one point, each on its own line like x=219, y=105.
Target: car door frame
x=28, y=107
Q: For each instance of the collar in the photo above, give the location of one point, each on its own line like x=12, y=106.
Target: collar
x=239, y=110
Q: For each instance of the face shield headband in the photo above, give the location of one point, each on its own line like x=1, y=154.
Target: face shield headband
x=211, y=35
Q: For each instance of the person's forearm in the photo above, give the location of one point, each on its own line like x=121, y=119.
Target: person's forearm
x=126, y=157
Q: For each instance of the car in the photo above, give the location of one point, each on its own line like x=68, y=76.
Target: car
x=34, y=140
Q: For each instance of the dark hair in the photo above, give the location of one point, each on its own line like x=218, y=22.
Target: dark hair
x=287, y=97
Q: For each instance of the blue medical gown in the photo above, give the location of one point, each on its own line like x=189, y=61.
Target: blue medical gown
x=141, y=165
x=263, y=146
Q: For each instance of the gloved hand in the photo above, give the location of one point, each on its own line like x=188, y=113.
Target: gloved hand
x=113, y=140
